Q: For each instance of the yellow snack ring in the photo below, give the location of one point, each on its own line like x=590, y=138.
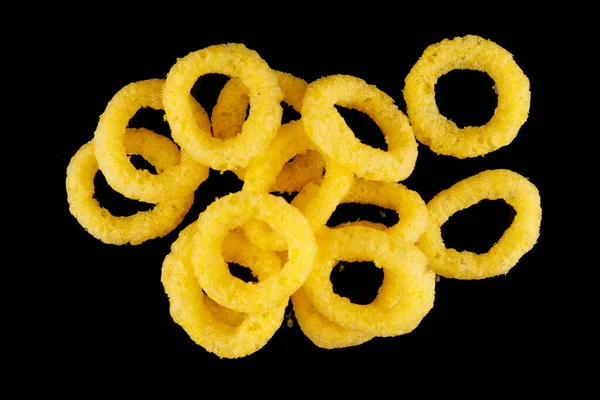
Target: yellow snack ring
x=137, y=228
x=175, y=181
x=233, y=211
x=317, y=203
x=262, y=173
x=321, y=331
x=228, y=116
x=237, y=248
x=517, y=240
x=411, y=209
x=263, y=120
x=211, y=330
x=332, y=136
x=407, y=280
x=229, y=113
x=440, y=134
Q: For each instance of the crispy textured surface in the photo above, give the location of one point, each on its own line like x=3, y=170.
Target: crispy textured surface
x=321, y=331
x=330, y=133
x=405, y=297
x=233, y=211
x=517, y=240
x=137, y=228
x=469, y=52
x=411, y=209
x=264, y=119
x=175, y=181
x=228, y=116
x=222, y=332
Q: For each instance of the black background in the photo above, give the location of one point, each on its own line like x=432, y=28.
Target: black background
x=111, y=305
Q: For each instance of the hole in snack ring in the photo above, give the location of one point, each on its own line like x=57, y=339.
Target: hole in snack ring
x=364, y=128
x=478, y=227
x=241, y=272
x=351, y=212
x=359, y=281
x=116, y=204
x=466, y=97
x=207, y=88
x=151, y=119
x=139, y=162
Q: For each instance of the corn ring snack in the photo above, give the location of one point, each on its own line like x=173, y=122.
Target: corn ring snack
x=229, y=113
x=232, y=211
x=440, y=134
x=321, y=331
x=319, y=206
x=328, y=130
x=175, y=181
x=237, y=248
x=405, y=297
x=137, y=228
x=411, y=209
x=222, y=332
x=517, y=240
x=264, y=170
x=264, y=119
x=227, y=119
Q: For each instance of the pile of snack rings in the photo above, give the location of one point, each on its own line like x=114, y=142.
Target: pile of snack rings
x=288, y=247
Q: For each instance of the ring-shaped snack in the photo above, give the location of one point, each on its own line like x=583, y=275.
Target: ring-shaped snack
x=411, y=208
x=228, y=116
x=517, y=240
x=328, y=130
x=137, y=228
x=442, y=135
x=232, y=211
x=406, y=294
x=218, y=330
x=316, y=208
x=175, y=181
x=321, y=331
x=264, y=119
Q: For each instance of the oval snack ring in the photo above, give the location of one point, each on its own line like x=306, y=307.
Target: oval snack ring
x=411, y=209
x=264, y=119
x=178, y=180
x=405, y=297
x=440, y=134
x=137, y=228
x=517, y=240
x=320, y=205
x=219, y=331
x=328, y=130
x=228, y=116
x=321, y=331
x=233, y=211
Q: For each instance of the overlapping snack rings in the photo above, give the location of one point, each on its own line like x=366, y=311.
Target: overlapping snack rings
x=407, y=203
x=517, y=240
x=404, y=298
x=288, y=247
x=469, y=52
x=216, y=332
x=332, y=136
x=177, y=180
x=263, y=121
x=232, y=211
x=137, y=228
x=228, y=117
